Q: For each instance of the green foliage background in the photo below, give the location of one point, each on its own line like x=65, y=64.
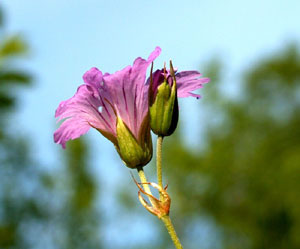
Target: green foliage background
x=247, y=177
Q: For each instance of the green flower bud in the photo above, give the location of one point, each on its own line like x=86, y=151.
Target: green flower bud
x=134, y=152
x=163, y=102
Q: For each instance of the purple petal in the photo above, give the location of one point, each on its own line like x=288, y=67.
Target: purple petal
x=93, y=77
x=70, y=129
x=154, y=54
x=81, y=112
x=188, y=81
x=158, y=78
x=129, y=93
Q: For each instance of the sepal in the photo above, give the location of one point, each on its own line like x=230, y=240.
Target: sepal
x=132, y=152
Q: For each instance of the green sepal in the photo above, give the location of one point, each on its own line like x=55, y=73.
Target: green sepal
x=134, y=153
x=175, y=111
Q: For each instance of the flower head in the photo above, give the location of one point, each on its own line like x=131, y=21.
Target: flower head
x=114, y=104
x=165, y=87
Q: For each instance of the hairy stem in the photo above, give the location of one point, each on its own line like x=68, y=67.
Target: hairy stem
x=168, y=223
x=144, y=180
x=144, y=185
x=166, y=219
x=159, y=160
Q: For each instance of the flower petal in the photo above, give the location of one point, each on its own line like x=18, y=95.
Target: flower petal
x=129, y=93
x=70, y=129
x=188, y=81
x=93, y=77
x=158, y=78
x=81, y=112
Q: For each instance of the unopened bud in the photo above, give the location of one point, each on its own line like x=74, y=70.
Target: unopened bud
x=163, y=103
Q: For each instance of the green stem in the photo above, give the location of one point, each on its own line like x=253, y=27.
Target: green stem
x=144, y=180
x=145, y=186
x=159, y=160
x=167, y=221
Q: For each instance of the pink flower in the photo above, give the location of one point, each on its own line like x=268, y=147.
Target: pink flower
x=105, y=101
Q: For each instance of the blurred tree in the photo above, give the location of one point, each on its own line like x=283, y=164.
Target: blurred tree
x=10, y=49
x=247, y=179
x=19, y=179
x=80, y=220
x=40, y=209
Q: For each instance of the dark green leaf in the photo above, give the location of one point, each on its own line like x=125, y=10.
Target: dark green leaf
x=15, y=77
x=13, y=46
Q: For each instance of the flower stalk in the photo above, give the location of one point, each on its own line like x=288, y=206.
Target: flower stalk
x=159, y=160
x=165, y=219
x=168, y=224
x=144, y=181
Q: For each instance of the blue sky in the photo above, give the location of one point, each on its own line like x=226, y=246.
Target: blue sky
x=67, y=37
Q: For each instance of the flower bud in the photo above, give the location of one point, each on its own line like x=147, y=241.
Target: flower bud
x=163, y=103
x=134, y=152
